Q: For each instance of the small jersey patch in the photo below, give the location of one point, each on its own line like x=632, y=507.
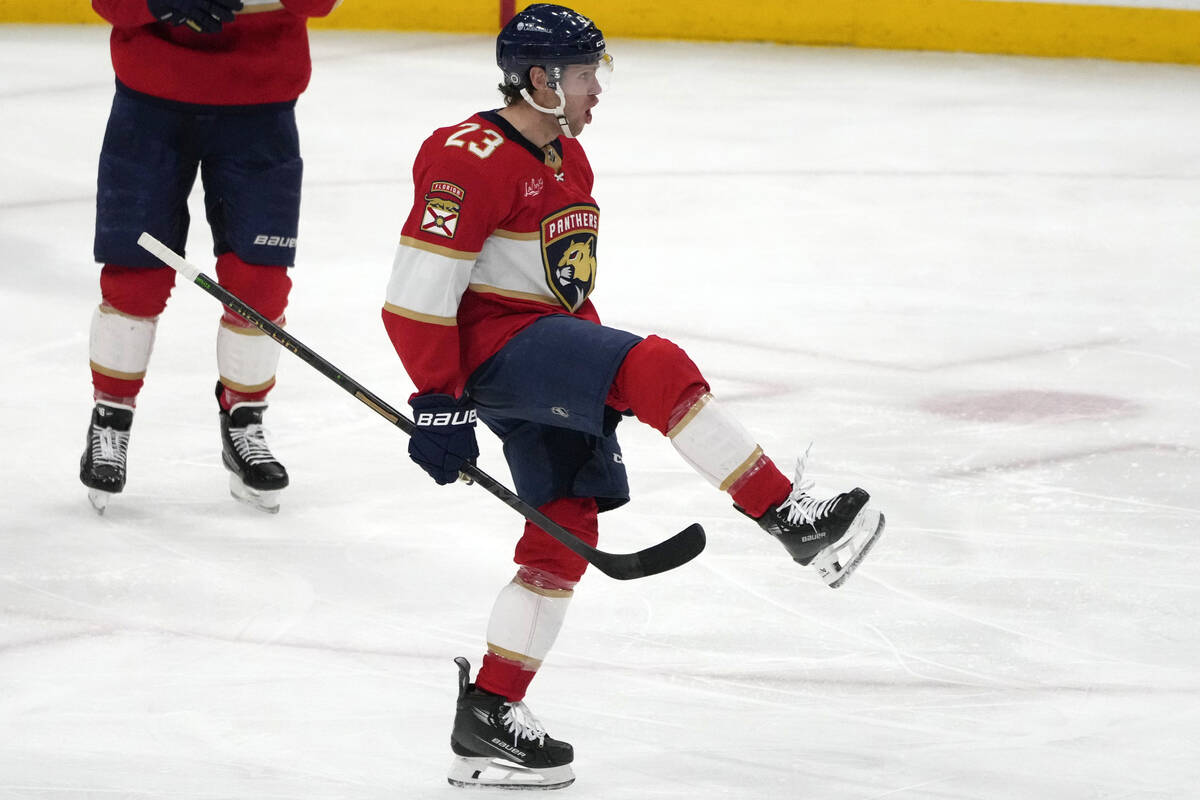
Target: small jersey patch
x=569, y=253
x=443, y=205
x=534, y=186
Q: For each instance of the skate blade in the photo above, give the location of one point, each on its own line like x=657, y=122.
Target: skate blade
x=836, y=563
x=496, y=773
x=99, y=499
x=267, y=500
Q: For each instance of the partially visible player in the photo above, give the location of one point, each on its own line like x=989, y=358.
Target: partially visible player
x=208, y=85
x=488, y=308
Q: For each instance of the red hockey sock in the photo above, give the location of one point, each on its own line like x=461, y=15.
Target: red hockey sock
x=265, y=289
x=660, y=384
x=228, y=398
x=502, y=676
x=657, y=382
x=539, y=550
x=762, y=487
x=137, y=293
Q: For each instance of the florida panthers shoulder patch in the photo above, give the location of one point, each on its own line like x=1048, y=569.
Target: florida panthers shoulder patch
x=443, y=204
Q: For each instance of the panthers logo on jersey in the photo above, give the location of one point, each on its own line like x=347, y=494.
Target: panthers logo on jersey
x=569, y=253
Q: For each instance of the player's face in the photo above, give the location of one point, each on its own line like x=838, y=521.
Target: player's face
x=581, y=85
x=587, y=79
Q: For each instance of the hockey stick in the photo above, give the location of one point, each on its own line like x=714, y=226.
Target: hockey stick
x=678, y=550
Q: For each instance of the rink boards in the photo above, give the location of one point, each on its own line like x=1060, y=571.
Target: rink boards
x=1129, y=30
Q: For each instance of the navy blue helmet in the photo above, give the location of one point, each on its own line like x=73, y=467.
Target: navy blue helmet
x=545, y=35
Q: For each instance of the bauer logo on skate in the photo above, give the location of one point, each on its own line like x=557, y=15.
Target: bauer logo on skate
x=569, y=253
x=503, y=745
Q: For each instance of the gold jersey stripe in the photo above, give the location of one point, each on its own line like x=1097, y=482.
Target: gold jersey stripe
x=234, y=386
x=483, y=288
x=696, y=408
x=437, y=249
x=105, y=308
x=449, y=322
x=524, y=237
x=112, y=373
x=520, y=658
x=741, y=469
x=544, y=592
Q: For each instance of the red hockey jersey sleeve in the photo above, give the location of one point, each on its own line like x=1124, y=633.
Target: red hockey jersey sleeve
x=311, y=8
x=260, y=57
x=124, y=13
x=457, y=204
x=131, y=13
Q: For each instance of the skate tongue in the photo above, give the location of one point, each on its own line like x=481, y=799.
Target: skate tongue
x=115, y=416
x=242, y=415
x=464, y=676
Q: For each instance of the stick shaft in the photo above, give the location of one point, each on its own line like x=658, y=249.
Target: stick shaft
x=659, y=558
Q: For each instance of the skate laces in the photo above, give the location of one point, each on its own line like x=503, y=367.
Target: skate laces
x=522, y=724
x=109, y=446
x=251, y=443
x=800, y=508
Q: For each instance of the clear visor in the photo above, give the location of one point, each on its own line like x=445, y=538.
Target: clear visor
x=585, y=79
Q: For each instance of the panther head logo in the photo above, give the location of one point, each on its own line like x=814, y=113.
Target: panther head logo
x=577, y=262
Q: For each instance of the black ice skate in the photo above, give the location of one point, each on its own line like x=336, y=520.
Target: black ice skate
x=832, y=535
x=102, y=466
x=501, y=744
x=256, y=476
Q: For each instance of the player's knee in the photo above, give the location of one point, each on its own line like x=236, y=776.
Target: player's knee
x=136, y=291
x=263, y=288
x=539, y=552
x=658, y=382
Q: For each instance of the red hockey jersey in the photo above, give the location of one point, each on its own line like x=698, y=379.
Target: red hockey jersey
x=501, y=233
x=260, y=57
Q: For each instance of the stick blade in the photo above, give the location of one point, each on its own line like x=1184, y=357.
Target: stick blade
x=666, y=555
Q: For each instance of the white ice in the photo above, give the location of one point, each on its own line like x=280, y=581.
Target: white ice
x=971, y=281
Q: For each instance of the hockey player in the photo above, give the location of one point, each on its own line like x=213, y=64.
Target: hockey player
x=208, y=85
x=488, y=308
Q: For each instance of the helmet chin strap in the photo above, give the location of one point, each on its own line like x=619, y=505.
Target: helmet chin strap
x=559, y=113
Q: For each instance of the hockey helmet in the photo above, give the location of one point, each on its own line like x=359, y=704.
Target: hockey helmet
x=548, y=36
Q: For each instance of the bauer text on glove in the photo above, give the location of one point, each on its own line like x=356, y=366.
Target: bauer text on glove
x=443, y=441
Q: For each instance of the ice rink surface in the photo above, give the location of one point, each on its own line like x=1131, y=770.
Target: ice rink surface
x=970, y=281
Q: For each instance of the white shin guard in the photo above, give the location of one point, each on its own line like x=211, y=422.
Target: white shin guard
x=526, y=620
x=246, y=357
x=715, y=443
x=119, y=345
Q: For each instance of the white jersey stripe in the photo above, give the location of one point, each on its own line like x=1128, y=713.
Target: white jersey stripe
x=513, y=265
x=426, y=282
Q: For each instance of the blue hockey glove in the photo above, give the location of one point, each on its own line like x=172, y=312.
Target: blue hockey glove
x=203, y=16
x=444, y=439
